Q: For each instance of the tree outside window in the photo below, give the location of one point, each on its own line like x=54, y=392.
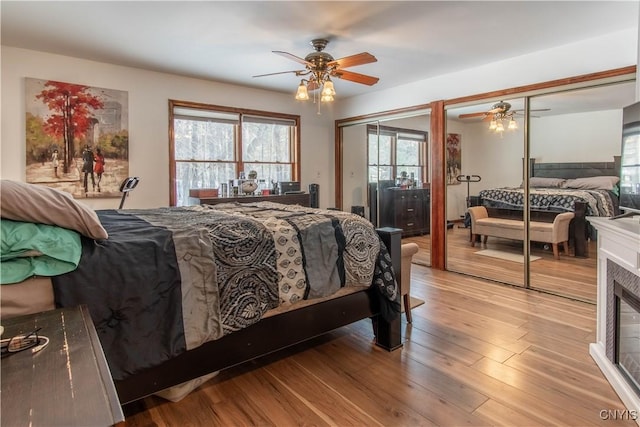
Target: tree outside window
x=212, y=145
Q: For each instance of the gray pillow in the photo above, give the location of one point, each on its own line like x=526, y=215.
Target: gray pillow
x=20, y=201
x=542, y=182
x=593, y=183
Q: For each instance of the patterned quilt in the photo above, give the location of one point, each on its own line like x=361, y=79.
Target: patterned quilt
x=599, y=202
x=169, y=279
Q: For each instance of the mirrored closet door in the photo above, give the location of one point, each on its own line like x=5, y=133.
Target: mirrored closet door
x=484, y=159
x=575, y=141
x=385, y=174
x=552, y=168
x=501, y=153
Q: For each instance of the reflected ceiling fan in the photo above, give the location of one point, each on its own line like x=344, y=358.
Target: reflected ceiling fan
x=498, y=113
x=320, y=67
x=501, y=110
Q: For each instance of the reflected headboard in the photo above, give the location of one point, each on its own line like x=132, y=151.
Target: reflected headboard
x=573, y=170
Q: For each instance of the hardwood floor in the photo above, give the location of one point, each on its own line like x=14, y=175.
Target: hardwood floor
x=477, y=353
x=569, y=276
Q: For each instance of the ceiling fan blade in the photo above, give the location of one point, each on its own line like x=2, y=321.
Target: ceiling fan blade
x=297, y=72
x=519, y=115
x=355, y=77
x=470, y=115
x=353, y=60
x=488, y=117
x=293, y=57
x=538, y=109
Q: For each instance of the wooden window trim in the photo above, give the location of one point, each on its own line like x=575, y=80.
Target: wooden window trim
x=295, y=137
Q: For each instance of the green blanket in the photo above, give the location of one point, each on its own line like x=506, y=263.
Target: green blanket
x=29, y=249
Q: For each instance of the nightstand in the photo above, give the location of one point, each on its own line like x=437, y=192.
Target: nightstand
x=66, y=383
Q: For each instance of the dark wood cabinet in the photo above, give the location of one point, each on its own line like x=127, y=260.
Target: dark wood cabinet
x=302, y=199
x=406, y=209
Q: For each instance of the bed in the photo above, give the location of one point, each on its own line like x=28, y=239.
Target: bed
x=584, y=188
x=225, y=284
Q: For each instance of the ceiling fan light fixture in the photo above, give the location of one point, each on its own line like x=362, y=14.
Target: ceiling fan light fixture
x=326, y=98
x=327, y=88
x=302, y=94
x=500, y=115
x=320, y=67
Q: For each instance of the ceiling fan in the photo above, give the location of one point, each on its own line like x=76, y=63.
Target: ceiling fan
x=499, y=114
x=499, y=111
x=319, y=67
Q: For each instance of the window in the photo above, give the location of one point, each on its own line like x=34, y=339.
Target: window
x=393, y=151
x=211, y=145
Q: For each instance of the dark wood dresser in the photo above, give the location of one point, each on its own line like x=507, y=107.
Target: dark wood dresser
x=301, y=199
x=406, y=209
x=67, y=383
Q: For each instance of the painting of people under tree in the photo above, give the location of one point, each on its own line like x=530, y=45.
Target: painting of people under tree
x=77, y=137
x=454, y=157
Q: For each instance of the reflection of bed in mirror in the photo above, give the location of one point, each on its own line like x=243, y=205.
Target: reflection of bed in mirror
x=585, y=188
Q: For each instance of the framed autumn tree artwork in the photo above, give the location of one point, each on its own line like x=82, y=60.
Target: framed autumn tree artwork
x=454, y=157
x=77, y=137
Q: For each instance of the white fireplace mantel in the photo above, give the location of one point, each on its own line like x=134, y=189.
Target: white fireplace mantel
x=618, y=242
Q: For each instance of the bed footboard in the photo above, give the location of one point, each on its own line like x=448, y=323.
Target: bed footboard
x=388, y=335
x=272, y=334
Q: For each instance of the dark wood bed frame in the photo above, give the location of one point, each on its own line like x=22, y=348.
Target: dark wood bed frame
x=578, y=234
x=272, y=334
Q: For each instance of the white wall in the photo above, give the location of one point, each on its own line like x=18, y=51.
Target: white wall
x=584, y=137
x=149, y=93
x=354, y=173
x=421, y=122
x=477, y=159
x=496, y=158
x=615, y=50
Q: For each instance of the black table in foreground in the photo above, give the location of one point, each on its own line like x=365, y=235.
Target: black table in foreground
x=67, y=383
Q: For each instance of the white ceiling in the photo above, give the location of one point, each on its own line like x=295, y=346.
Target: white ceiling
x=233, y=41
